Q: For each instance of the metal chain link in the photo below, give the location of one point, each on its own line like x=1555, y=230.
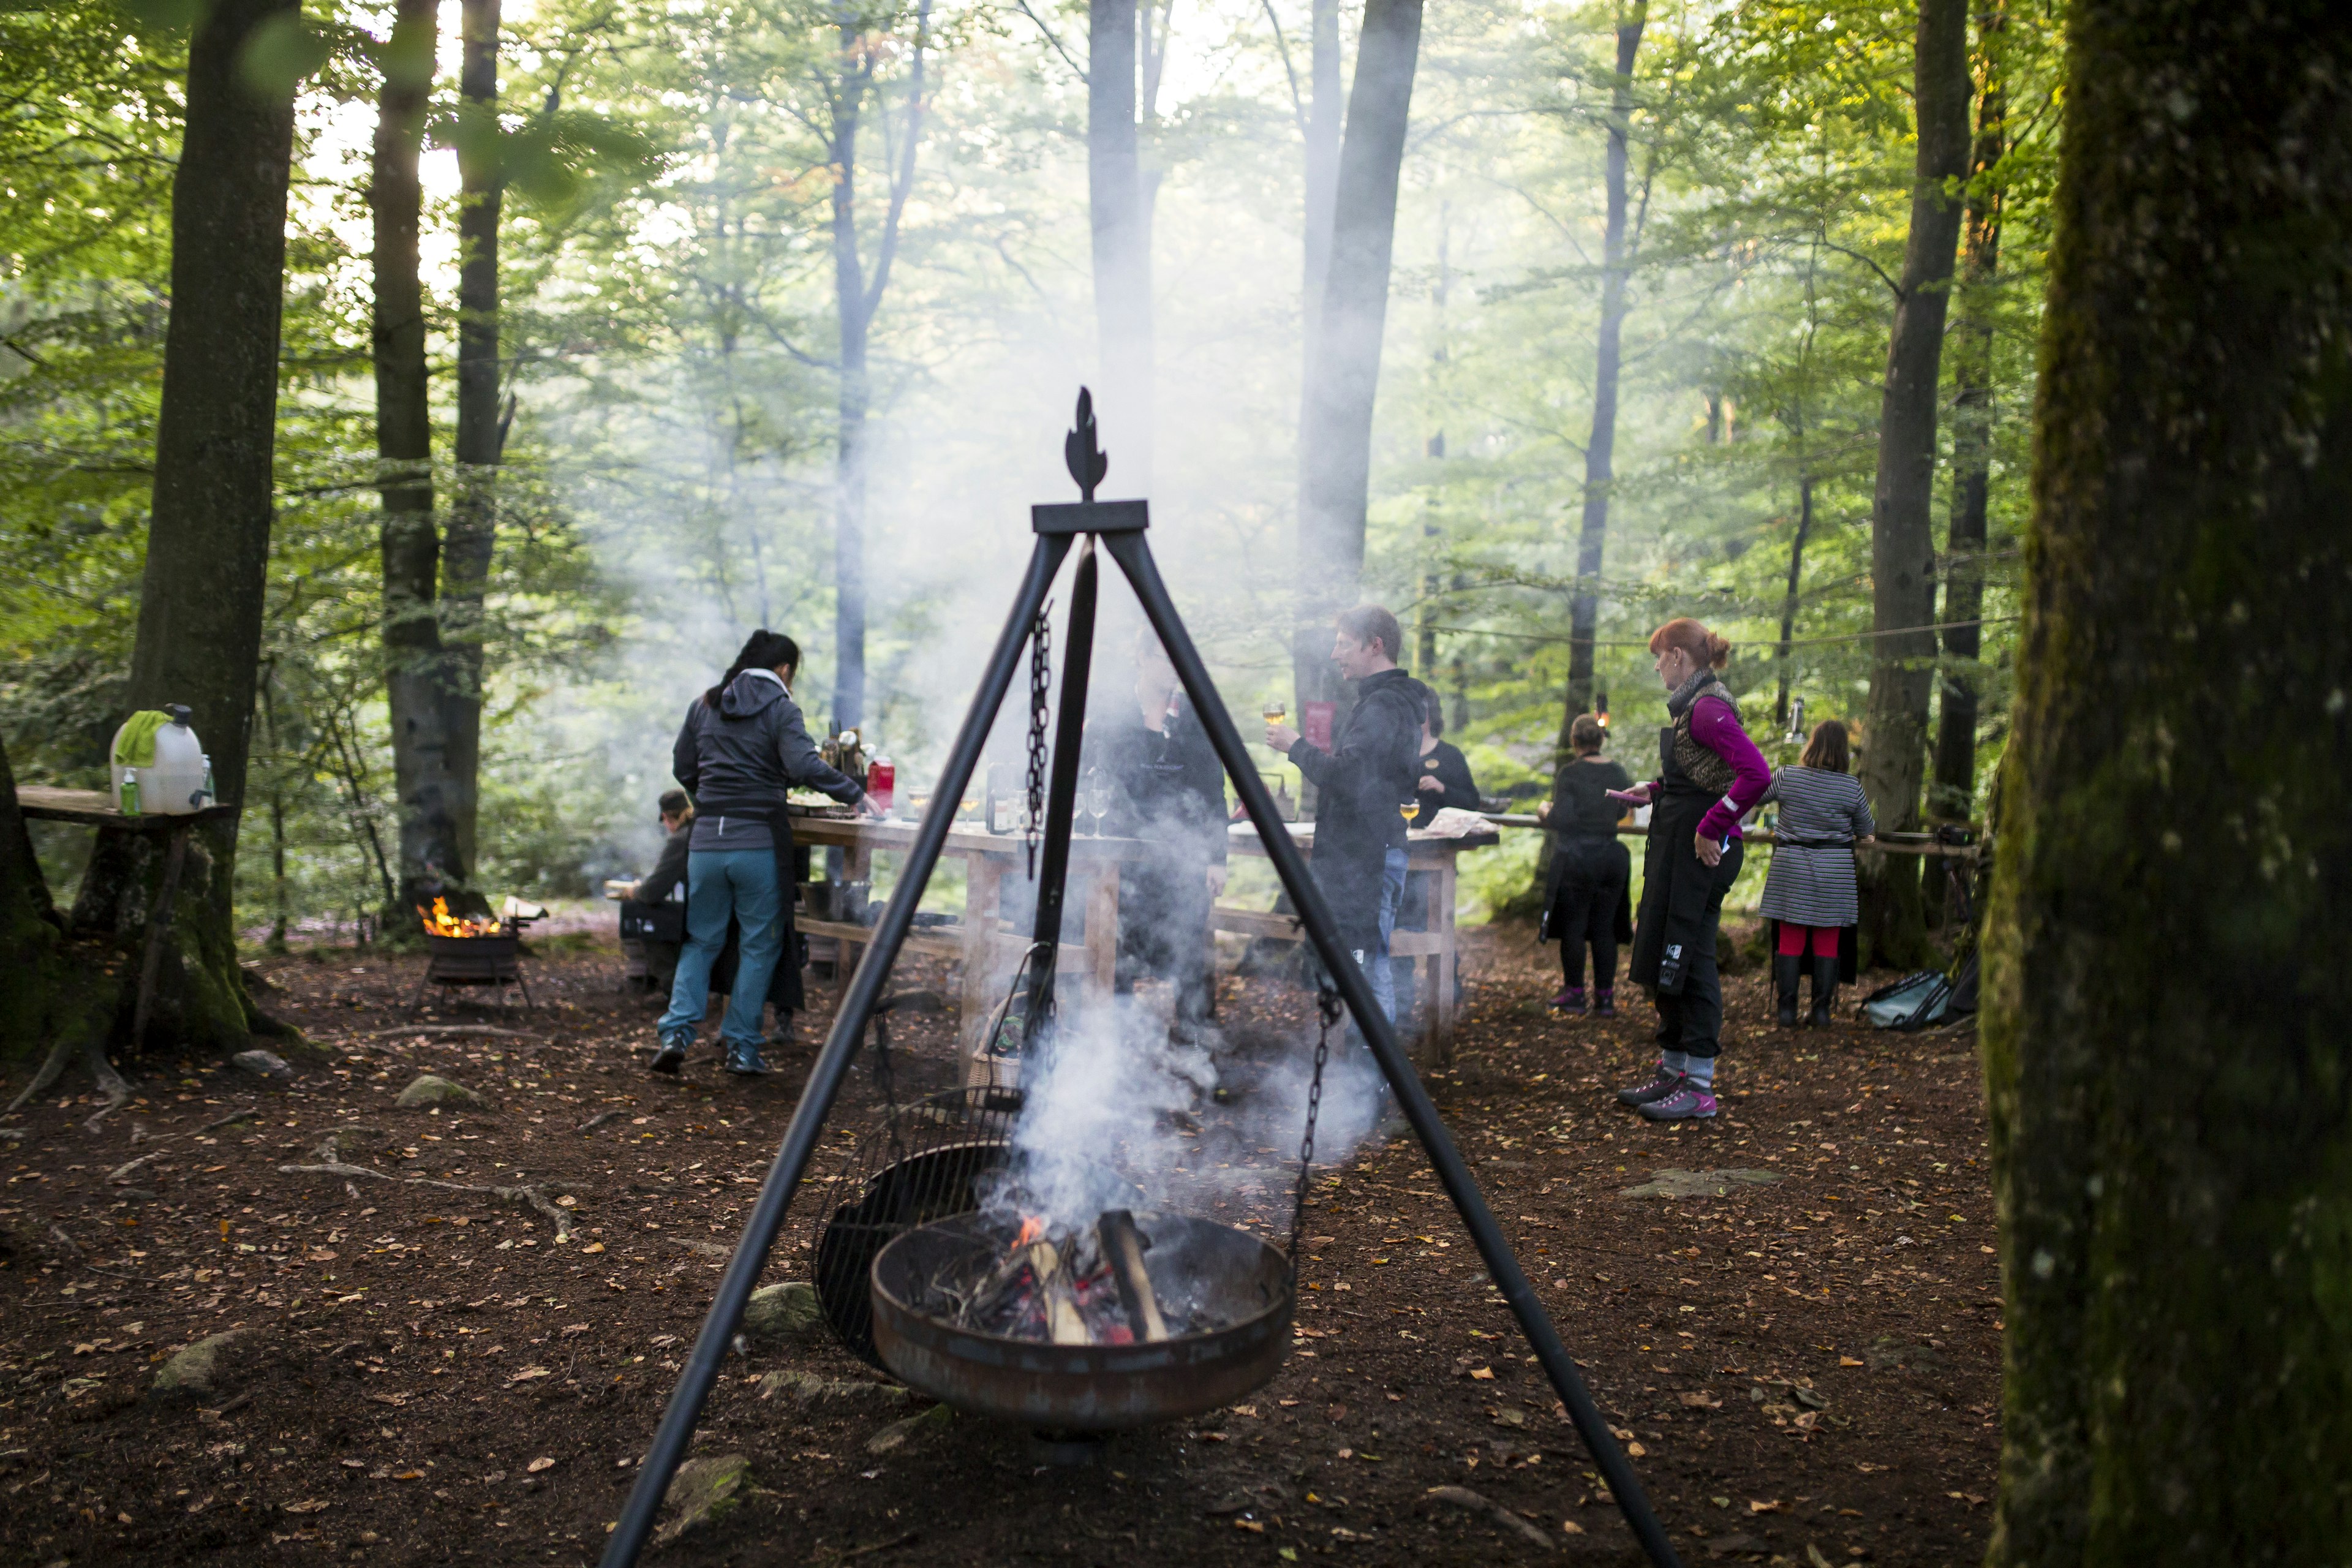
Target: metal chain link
x=1326, y=1008
x=1041, y=676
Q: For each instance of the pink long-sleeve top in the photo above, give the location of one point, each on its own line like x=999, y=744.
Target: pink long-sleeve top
x=1714, y=724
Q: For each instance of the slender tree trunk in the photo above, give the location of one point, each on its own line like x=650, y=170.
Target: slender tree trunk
x=1122, y=250
x=1336, y=442
x=201, y=595
x=1796, y=578
x=1311, y=672
x=1951, y=791
x=473, y=520
x=1902, y=538
x=1600, y=453
x=410, y=541
x=2165, y=1054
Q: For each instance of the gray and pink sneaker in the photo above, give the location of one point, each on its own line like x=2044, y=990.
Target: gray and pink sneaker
x=1661, y=1084
x=1690, y=1102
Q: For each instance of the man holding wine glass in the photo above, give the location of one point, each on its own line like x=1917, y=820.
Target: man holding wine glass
x=1364, y=783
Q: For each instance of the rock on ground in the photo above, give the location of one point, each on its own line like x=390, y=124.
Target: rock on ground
x=807, y=1388
x=786, y=1311
x=263, y=1064
x=703, y=1489
x=197, y=1370
x=899, y=1434
x=430, y=1090
x=1673, y=1183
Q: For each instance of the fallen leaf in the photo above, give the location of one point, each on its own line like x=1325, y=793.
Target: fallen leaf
x=1635, y=1451
x=527, y=1373
x=541, y=1463
x=1703, y=1399
x=408, y=1475
x=1252, y=1526
x=1849, y=1361
x=1483, y=1373
x=1775, y=1506
x=593, y=1247
x=311, y=1507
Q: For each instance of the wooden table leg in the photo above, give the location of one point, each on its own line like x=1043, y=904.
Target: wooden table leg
x=982, y=873
x=159, y=928
x=1442, y=962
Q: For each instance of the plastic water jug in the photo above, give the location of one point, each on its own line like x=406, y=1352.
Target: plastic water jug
x=174, y=784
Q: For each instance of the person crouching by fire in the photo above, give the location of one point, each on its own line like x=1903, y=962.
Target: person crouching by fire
x=741, y=747
x=1711, y=774
x=664, y=882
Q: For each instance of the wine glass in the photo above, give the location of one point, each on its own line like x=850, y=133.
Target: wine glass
x=1276, y=709
x=1409, y=810
x=1096, y=797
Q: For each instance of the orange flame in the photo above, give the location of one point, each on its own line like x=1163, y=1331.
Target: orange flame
x=439, y=921
x=1033, y=1228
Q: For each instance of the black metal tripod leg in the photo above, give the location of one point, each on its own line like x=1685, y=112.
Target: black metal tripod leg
x=1134, y=557
x=1061, y=799
x=694, y=1385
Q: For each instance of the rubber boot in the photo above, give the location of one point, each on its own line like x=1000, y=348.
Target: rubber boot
x=1825, y=984
x=1784, y=981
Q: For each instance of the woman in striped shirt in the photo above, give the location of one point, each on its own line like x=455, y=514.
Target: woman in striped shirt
x=1809, y=895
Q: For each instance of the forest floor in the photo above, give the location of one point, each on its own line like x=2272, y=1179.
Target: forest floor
x=1805, y=1370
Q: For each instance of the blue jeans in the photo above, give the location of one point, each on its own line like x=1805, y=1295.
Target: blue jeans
x=1376, y=964
x=721, y=882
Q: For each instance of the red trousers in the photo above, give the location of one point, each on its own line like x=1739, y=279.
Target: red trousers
x=1792, y=941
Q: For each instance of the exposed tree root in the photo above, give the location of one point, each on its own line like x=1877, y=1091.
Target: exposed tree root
x=110, y=1083
x=529, y=1198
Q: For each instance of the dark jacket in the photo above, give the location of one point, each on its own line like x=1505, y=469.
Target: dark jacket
x=1445, y=763
x=742, y=758
x=1166, y=786
x=668, y=874
x=1586, y=852
x=1361, y=781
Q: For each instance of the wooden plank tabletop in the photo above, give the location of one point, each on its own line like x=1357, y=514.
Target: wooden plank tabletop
x=95, y=808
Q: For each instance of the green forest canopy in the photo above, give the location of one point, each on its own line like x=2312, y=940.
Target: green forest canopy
x=668, y=314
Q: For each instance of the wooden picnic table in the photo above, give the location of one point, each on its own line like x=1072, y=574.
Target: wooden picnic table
x=989, y=946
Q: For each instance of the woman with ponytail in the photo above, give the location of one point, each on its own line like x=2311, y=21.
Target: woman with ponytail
x=741, y=747
x=1711, y=774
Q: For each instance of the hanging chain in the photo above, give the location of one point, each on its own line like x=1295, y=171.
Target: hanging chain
x=1326, y=1008
x=1041, y=676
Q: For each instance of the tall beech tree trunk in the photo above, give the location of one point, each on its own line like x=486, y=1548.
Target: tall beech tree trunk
x=1902, y=537
x=1343, y=379
x=410, y=540
x=2165, y=1052
x=1951, y=790
x=1122, y=245
x=201, y=594
x=857, y=298
x=1311, y=672
x=1599, y=452
x=473, y=520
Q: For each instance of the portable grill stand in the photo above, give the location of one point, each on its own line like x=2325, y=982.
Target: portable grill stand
x=1120, y=527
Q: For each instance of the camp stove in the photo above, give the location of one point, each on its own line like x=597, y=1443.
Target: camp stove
x=476, y=950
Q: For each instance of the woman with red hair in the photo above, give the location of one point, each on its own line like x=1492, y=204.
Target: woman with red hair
x=1711, y=774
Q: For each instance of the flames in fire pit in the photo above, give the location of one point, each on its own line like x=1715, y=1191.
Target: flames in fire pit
x=439, y=921
x=1087, y=1289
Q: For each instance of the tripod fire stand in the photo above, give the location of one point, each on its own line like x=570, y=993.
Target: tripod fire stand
x=1117, y=528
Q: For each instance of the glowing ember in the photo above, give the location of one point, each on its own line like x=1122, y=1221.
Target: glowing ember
x=439, y=921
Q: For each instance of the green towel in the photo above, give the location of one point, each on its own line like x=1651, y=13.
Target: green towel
x=134, y=743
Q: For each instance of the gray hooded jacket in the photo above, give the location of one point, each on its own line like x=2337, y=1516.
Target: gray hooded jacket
x=742, y=758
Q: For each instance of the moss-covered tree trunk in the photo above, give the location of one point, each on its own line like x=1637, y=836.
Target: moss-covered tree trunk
x=201, y=597
x=2167, y=1063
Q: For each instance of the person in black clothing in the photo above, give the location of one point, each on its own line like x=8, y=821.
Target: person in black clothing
x=1446, y=778
x=666, y=880
x=1585, y=901
x=1167, y=788
x=1359, y=855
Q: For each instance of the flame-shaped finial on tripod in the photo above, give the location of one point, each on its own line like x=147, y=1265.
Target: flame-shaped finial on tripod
x=1088, y=462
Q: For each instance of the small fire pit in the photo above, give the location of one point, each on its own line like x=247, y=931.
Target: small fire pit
x=1151, y=1318
x=473, y=950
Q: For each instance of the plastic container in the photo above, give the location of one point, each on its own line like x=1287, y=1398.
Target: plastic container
x=881, y=782
x=173, y=784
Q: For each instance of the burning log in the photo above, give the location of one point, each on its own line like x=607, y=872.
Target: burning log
x=1122, y=1247
x=1064, y=1324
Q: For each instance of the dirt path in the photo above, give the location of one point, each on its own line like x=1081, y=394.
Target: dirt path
x=1807, y=1369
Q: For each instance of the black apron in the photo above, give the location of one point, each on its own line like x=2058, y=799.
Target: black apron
x=785, y=991
x=1681, y=894
x=1595, y=861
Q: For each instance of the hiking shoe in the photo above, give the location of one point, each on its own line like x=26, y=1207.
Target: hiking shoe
x=1691, y=1102
x=746, y=1062
x=672, y=1055
x=1604, y=1003
x=1661, y=1083
x=1570, y=1001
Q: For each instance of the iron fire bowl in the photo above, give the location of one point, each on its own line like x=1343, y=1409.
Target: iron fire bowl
x=1092, y=1388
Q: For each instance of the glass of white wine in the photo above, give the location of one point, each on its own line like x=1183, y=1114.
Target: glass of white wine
x=1275, y=708
x=1409, y=810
